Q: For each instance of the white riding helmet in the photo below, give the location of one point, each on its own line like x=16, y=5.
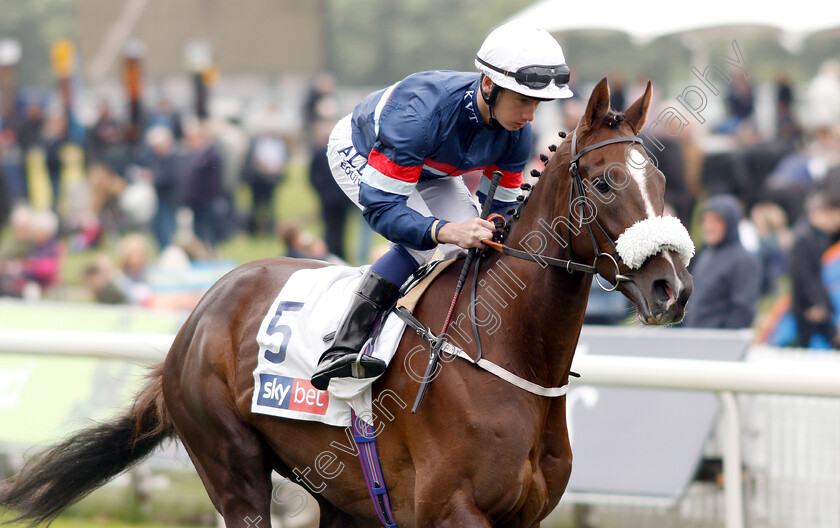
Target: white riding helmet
x=526, y=60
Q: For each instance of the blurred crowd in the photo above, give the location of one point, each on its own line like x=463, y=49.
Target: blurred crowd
x=141, y=193
x=763, y=203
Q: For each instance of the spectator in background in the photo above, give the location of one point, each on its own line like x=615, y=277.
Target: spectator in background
x=727, y=278
x=320, y=104
x=617, y=95
x=740, y=100
x=163, y=114
x=28, y=133
x=572, y=111
x=774, y=242
x=15, y=247
x=12, y=173
x=263, y=171
x=786, y=126
x=740, y=104
x=30, y=128
x=812, y=236
x=138, y=203
x=31, y=259
x=5, y=195
x=185, y=239
x=679, y=192
x=334, y=203
x=822, y=97
x=798, y=172
x=133, y=255
x=320, y=115
x=203, y=192
x=300, y=243
x=53, y=141
x=104, y=139
x=100, y=278
x=164, y=163
x=233, y=142
x=105, y=186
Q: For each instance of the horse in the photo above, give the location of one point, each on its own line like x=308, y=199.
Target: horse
x=480, y=452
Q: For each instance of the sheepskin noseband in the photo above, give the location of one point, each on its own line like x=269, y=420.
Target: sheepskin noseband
x=652, y=235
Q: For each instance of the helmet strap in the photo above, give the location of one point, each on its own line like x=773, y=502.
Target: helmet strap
x=490, y=100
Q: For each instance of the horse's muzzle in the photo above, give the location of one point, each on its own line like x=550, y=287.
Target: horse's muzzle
x=669, y=300
x=660, y=290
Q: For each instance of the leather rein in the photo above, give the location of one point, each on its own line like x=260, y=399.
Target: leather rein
x=577, y=191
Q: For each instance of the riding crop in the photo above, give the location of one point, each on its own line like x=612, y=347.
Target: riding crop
x=435, y=355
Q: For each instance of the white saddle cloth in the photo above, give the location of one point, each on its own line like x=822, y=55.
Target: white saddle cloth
x=290, y=340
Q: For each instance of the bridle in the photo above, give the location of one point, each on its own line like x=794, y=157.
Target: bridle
x=577, y=190
x=577, y=193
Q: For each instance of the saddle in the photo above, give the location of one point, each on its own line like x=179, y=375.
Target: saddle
x=416, y=285
x=413, y=289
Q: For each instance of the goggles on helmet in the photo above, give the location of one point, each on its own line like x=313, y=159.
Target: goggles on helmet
x=535, y=77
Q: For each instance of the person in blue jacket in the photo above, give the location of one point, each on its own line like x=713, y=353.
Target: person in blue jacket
x=727, y=277
x=399, y=157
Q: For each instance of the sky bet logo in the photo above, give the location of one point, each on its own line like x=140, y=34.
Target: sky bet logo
x=293, y=394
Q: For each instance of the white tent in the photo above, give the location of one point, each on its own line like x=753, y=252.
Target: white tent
x=648, y=20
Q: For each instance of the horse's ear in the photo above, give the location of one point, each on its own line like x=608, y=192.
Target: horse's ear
x=598, y=105
x=637, y=113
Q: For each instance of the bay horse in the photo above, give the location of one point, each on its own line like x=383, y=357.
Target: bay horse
x=480, y=452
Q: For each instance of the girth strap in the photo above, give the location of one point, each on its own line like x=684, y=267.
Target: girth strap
x=365, y=439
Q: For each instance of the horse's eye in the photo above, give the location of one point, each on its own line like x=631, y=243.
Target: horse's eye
x=602, y=186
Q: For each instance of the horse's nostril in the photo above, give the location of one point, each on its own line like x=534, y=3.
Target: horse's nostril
x=684, y=295
x=662, y=291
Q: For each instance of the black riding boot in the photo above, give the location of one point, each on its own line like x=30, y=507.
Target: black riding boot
x=374, y=295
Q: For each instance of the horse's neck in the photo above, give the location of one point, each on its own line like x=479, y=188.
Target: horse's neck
x=547, y=314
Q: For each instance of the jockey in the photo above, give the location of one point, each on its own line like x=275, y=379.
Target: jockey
x=399, y=157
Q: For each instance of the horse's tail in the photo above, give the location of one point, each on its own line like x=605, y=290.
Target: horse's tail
x=70, y=470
